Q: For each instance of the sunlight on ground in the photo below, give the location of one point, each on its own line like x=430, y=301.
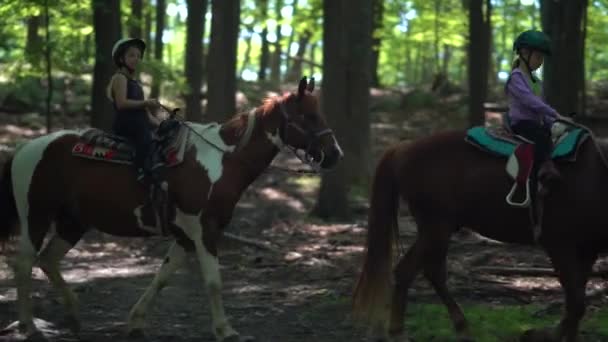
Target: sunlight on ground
x=305, y=184
x=273, y=194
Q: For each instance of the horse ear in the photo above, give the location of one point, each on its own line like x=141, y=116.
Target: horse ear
x=311, y=85
x=302, y=87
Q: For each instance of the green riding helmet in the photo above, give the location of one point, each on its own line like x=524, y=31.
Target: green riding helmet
x=534, y=40
x=121, y=45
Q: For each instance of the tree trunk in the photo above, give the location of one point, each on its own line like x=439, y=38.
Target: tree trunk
x=265, y=55
x=49, y=74
x=195, y=30
x=347, y=37
x=135, y=20
x=158, y=45
x=33, y=43
x=292, y=35
x=564, y=70
x=313, y=50
x=107, y=27
x=148, y=25
x=275, y=68
x=437, y=39
x=295, y=73
x=378, y=13
x=479, y=57
x=221, y=67
x=247, y=55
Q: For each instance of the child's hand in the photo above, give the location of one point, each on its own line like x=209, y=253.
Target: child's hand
x=152, y=104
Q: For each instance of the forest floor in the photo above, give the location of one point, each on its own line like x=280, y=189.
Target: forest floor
x=298, y=289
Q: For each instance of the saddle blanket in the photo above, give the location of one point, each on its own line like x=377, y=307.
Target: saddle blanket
x=501, y=142
x=100, y=145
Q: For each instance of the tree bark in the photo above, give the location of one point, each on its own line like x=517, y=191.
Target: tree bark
x=161, y=7
x=292, y=35
x=195, y=30
x=265, y=55
x=107, y=27
x=275, y=68
x=347, y=37
x=49, y=74
x=479, y=57
x=33, y=43
x=295, y=72
x=221, y=74
x=135, y=20
x=378, y=14
x=564, y=70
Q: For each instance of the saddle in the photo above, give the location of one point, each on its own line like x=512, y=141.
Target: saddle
x=168, y=146
x=168, y=150
x=499, y=140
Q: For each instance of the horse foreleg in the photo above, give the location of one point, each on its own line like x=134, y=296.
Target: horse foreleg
x=137, y=317
x=573, y=268
x=49, y=260
x=210, y=270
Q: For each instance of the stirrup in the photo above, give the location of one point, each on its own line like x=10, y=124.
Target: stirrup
x=526, y=202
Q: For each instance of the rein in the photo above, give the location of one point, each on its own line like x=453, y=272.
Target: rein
x=247, y=136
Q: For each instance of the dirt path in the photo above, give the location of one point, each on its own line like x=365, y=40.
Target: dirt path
x=300, y=292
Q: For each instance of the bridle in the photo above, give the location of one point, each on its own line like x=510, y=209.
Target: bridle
x=287, y=123
x=313, y=138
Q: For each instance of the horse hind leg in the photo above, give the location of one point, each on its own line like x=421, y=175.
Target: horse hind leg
x=435, y=271
x=32, y=236
x=405, y=272
x=48, y=261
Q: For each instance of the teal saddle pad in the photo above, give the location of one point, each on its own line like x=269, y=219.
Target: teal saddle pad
x=566, y=147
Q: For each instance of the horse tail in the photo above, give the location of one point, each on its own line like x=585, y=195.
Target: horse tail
x=8, y=209
x=371, y=298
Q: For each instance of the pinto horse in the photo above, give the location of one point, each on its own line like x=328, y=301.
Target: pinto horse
x=448, y=184
x=44, y=185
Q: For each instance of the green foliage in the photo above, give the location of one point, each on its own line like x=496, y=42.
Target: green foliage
x=415, y=37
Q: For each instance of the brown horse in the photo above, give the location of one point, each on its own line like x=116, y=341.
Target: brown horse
x=449, y=184
x=45, y=185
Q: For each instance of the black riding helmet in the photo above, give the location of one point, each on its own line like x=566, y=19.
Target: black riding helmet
x=122, y=45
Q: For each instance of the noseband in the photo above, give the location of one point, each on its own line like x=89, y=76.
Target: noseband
x=313, y=138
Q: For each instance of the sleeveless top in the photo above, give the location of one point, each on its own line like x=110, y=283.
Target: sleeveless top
x=131, y=115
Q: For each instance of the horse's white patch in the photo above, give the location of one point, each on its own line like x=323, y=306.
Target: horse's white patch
x=25, y=161
x=210, y=149
x=275, y=139
x=210, y=270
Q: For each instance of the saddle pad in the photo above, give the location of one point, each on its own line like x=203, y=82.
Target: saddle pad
x=504, y=145
x=99, y=145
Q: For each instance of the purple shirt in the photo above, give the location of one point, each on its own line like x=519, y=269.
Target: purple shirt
x=524, y=104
